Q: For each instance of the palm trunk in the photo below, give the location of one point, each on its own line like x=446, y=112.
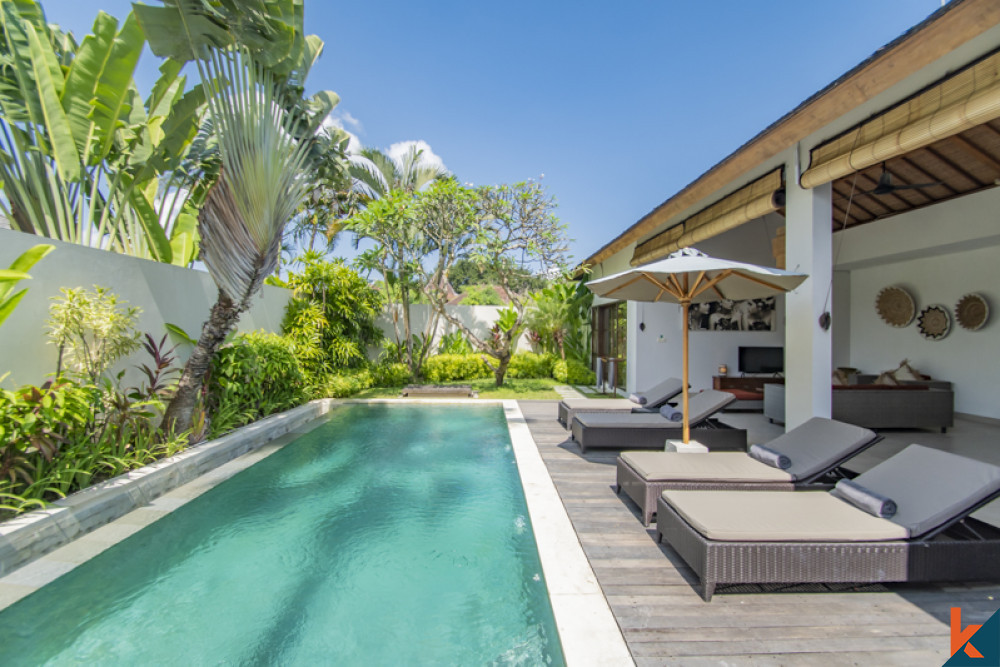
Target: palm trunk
x=178, y=416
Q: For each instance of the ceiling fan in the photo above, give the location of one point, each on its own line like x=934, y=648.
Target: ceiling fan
x=885, y=185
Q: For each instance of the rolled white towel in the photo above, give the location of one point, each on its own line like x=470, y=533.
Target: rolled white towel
x=638, y=398
x=670, y=413
x=772, y=458
x=865, y=499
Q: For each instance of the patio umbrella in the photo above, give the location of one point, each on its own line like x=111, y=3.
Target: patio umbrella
x=690, y=276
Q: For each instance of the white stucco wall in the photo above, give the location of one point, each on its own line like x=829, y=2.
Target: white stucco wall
x=165, y=293
x=939, y=254
x=478, y=318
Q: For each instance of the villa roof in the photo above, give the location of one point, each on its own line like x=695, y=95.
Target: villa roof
x=942, y=32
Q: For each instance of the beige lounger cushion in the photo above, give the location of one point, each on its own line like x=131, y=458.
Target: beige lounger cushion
x=710, y=467
x=599, y=404
x=702, y=405
x=779, y=516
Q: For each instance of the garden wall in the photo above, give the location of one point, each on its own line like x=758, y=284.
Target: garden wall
x=478, y=318
x=165, y=293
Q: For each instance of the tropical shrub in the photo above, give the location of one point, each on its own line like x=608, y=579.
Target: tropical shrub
x=452, y=367
x=390, y=374
x=560, y=320
x=528, y=365
x=66, y=435
x=93, y=330
x=454, y=343
x=572, y=371
x=330, y=320
x=254, y=376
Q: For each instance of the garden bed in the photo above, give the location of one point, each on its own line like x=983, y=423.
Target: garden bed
x=28, y=536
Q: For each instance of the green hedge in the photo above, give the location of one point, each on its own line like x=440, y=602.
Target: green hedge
x=391, y=375
x=531, y=366
x=347, y=383
x=453, y=367
x=571, y=371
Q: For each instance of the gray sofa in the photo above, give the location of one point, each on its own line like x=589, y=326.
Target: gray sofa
x=910, y=405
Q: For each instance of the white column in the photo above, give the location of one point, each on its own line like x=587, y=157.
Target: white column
x=632, y=346
x=808, y=347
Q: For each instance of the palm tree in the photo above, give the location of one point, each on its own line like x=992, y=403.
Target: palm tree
x=376, y=173
x=266, y=135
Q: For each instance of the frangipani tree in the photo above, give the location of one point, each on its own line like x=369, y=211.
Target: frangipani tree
x=253, y=59
x=514, y=229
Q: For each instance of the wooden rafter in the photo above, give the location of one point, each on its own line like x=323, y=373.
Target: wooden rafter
x=923, y=174
x=967, y=147
x=937, y=155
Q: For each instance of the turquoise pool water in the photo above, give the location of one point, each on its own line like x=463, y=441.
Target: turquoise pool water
x=388, y=535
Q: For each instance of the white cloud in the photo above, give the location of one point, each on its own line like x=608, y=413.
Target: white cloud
x=348, y=119
x=428, y=158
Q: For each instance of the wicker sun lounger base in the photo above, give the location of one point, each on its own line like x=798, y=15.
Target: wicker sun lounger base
x=566, y=409
x=836, y=442
x=969, y=551
x=714, y=435
x=645, y=494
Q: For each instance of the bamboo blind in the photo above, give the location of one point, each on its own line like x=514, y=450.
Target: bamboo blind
x=748, y=203
x=968, y=98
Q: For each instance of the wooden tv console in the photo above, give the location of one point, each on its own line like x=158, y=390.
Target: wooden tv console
x=753, y=383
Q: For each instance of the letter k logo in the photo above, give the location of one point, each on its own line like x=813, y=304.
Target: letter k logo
x=960, y=636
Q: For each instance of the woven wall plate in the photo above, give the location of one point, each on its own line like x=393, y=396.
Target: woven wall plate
x=934, y=322
x=972, y=311
x=895, y=306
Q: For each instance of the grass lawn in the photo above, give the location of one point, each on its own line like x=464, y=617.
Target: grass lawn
x=512, y=388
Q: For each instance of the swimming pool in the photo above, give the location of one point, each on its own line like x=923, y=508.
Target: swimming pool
x=391, y=534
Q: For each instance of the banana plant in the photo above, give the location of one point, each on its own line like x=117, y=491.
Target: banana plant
x=17, y=272
x=252, y=58
x=83, y=158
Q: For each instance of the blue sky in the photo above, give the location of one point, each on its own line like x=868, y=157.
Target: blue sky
x=619, y=105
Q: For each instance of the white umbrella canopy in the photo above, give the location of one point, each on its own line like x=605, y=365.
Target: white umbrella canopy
x=690, y=276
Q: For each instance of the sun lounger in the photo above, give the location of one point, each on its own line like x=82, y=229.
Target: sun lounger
x=646, y=431
x=645, y=401
x=760, y=537
x=816, y=449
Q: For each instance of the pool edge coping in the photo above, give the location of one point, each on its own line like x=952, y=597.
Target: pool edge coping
x=588, y=630
x=92, y=520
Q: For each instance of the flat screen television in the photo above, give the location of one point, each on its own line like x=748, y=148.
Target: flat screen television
x=762, y=360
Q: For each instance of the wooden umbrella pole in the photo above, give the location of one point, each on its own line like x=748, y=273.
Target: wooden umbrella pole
x=685, y=304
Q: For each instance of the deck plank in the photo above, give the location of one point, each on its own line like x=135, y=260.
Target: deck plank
x=654, y=597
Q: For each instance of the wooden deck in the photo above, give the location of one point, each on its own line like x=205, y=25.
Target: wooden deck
x=664, y=620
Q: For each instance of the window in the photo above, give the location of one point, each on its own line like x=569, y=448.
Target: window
x=610, y=336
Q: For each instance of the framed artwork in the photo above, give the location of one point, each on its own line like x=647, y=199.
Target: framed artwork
x=727, y=315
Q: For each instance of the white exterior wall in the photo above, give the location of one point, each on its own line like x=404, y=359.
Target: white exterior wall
x=165, y=293
x=478, y=318
x=938, y=253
